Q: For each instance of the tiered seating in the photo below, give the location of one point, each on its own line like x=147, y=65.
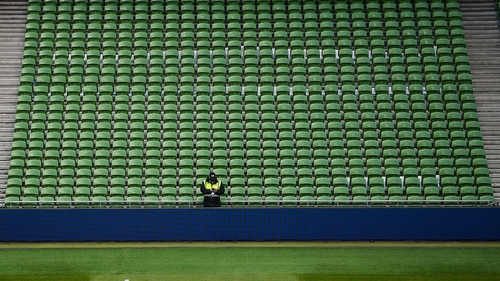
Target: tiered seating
x=307, y=103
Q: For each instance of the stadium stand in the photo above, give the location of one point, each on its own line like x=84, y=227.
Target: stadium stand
x=132, y=103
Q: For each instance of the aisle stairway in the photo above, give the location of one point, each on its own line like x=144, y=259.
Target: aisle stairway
x=12, y=30
x=483, y=44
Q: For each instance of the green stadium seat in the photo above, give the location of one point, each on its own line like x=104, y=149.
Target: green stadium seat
x=404, y=133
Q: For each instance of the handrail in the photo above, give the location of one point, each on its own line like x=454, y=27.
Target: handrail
x=281, y=202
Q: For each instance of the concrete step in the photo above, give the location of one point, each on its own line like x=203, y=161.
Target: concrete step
x=469, y=5
x=11, y=55
x=13, y=8
x=493, y=38
x=15, y=37
x=19, y=41
x=6, y=12
x=12, y=30
x=12, y=27
x=489, y=20
x=482, y=62
x=11, y=43
x=9, y=16
x=482, y=34
x=10, y=61
x=19, y=3
x=488, y=24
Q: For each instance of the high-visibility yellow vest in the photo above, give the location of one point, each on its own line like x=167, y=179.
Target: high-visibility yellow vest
x=210, y=186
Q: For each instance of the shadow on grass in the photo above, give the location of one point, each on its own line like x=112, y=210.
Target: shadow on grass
x=373, y=277
x=45, y=277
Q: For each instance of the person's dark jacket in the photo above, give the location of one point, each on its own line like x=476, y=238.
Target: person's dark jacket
x=211, y=199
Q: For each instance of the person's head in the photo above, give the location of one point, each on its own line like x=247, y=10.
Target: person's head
x=212, y=178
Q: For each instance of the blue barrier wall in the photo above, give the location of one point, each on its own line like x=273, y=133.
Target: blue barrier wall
x=250, y=224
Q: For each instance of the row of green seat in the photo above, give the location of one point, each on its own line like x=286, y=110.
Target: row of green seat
x=362, y=47
x=253, y=96
x=254, y=180
x=263, y=11
x=325, y=164
x=134, y=201
x=300, y=75
x=445, y=179
x=369, y=112
x=269, y=85
x=428, y=31
x=459, y=147
x=422, y=8
x=370, y=149
x=206, y=65
x=245, y=5
x=351, y=99
x=375, y=136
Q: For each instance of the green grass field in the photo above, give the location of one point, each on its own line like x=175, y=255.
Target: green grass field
x=252, y=261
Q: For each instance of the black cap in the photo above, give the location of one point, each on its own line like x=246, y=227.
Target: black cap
x=212, y=177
